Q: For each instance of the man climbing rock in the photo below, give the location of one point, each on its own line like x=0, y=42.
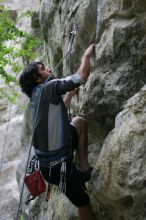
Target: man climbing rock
x=55, y=137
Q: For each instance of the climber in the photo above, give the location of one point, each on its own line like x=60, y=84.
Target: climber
x=53, y=129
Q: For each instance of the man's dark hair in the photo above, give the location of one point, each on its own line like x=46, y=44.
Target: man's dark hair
x=28, y=78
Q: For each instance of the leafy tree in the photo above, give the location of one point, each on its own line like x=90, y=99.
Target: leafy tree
x=15, y=45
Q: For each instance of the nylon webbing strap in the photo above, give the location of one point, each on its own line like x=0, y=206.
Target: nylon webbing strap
x=50, y=156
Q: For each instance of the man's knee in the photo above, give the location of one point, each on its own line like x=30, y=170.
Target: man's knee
x=80, y=124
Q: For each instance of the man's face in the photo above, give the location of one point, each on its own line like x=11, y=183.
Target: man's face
x=44, y=72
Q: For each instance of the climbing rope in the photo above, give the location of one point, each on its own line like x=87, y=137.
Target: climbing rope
x=69, y=51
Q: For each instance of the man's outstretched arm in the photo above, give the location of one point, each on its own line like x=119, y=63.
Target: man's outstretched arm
x=69, y=83
x=84, y=71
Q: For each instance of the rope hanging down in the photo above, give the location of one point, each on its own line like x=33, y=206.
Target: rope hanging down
x=69, y=51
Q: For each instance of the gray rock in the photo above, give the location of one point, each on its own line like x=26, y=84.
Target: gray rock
x=118, y=67
x=119, y=177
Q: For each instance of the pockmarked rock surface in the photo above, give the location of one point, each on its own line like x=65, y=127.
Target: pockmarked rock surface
x=9, y=192
x=118, y=66
x=11, y=152
x=120, y=173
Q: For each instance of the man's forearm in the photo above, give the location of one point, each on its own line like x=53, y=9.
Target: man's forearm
x=84, y=69
x=67, y=99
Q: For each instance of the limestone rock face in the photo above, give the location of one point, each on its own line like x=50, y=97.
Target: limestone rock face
x=9, y=192
x=120, y=172
x=11, y=119
x=118, y=67
x=57, y=19
x=19, y=7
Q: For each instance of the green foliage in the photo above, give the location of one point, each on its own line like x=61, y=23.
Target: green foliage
x=22, y=217
x=15, y=45
x=27, y=13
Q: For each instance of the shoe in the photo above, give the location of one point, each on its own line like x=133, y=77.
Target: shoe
x=84, y=175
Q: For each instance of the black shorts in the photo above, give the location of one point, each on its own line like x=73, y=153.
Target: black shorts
x=74, y=138
x=75, y=189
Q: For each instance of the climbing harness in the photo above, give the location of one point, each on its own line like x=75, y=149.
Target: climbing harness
x=62, y=185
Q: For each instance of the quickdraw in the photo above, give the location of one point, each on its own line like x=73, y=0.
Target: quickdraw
x=72, y=37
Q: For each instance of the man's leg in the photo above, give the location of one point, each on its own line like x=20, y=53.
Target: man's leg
x=86, y=212
x=76, y=193
x=82, y=150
